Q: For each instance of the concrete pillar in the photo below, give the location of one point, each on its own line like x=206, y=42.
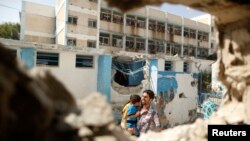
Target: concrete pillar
x=104, y=76
x=28, y=57
x=153, y=71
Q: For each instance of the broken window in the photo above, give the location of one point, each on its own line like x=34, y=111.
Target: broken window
x=185, y=50
x=161, y=27
x=117, y=17
x=92, y=23
x=72, y=20
x=104, y=39
x=93, y=1
x=202, y=53
x=192, y=33
x=168, y=49
x=191, y=51
x=200, y=38
x=152, y=25
x=128, y=72
x=176, y=50
x=141, y=22
x=91, y=43
x=84, y=61
x=117, y=41
x=105, y=15
x=140, y=44
x=151, y=47
x=71, y=42
x=129, y=43
x=205, y=36
x=186, y=67
x=160, y=46
x=168, y=66
x=170, y=29
x=130, y=20
x=48, y=59
x=177, y=30
x=186, y=32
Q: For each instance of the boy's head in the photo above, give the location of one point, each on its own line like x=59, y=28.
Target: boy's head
x=135, y=100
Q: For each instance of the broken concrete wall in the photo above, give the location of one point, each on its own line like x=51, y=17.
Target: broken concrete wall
x=175, y=104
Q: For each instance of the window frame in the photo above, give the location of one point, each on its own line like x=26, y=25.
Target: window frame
x=79, y=64
x=47, y=62
x=103, y=38
x=92, y=23
x=72, y=20
x=168, y=65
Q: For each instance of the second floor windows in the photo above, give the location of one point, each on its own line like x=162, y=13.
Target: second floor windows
x=104, y=39
x=84, y=61
x=186, y=67
x=91, y=43
x=105, y=15
x=92, y=23
x=72, y=20
x=71, y=42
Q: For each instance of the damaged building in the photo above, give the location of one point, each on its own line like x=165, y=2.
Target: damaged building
x=91, y=47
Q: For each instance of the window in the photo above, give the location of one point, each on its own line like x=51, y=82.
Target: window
x=202, y=53
x=117, y=41
x=186, y=32
x=160, y=27
x=72, y=20
x=117, y=18
x=185, y=50
x=71, y=42
x=192, y=33
x=200, y=35
x=83, y=61
x=168, y=49
x=93, y=1
x=104, y=39
x=170, y=28
x=191, y=51
x=48, y=59
x=105, y=15
x=177, y=30
x=205, y=36
x=152, y=25
x=151, y=47
x=141, y=23
x=168, y=66
x=185, y=67
x=129, y=43
x=91, y=43
x=176, y=50
x=92, y=23
x=160, y=46
x=140, y=44
x=131, y=21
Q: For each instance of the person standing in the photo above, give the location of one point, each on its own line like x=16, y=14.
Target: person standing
x=149, y=119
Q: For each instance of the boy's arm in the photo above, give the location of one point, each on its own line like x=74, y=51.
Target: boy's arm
x=137, y=114
x=132, y=112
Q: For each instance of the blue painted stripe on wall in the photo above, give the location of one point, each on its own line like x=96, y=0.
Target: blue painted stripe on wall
x=154, y=73
x=104, y=76
x=28, y=56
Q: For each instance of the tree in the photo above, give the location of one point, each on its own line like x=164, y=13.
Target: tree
x=10, y=30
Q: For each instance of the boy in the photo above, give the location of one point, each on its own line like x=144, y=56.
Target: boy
x=132, y=114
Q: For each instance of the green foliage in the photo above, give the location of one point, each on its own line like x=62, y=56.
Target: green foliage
x=10, y=30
